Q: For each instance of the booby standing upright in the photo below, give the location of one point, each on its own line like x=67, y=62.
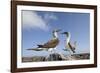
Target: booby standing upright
x=51, y=44
x=69, y=47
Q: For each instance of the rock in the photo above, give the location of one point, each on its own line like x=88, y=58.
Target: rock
x=33, y=59
x=54, y=57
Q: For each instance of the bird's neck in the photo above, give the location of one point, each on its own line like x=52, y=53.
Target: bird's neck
x=55, y=35
x=68, y=39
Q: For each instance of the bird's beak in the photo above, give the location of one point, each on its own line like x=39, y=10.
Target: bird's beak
x=62, y=33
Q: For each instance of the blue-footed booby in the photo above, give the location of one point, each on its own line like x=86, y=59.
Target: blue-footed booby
x=51, y=44
x=68, y=46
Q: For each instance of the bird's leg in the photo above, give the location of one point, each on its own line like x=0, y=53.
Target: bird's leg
x=54, y=50
x=70, y=53
x=51, y=51
x=47, y=57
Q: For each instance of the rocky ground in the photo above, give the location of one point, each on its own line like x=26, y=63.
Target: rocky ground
x=56, y=57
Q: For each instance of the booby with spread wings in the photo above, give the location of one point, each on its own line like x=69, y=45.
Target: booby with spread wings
x=51, y=44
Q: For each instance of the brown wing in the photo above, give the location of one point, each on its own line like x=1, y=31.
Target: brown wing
x=51, y=44
x=71, y=47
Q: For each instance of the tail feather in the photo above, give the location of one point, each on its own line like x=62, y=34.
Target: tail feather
x=40, y=46
x=73, y=51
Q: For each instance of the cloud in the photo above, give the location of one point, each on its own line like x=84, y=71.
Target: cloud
x=49, y=16
x=31, y=20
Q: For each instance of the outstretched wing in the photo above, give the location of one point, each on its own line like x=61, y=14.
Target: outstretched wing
x=35, y=49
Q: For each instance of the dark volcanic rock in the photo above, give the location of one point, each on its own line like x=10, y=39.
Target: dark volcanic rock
x=82, y=56
x=54, y=57
x=33, y=59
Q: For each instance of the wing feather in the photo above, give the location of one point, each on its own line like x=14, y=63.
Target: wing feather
x=35, y=49
x=73, y=49
x=51, y=44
